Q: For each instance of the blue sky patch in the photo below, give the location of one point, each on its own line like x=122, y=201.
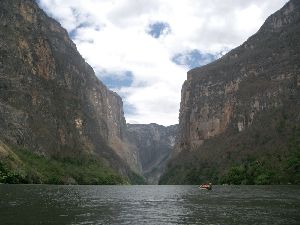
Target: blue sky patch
x=159, y=28
x=113, y=81
x=129, y=109
x=116, y=81
x=194, y=58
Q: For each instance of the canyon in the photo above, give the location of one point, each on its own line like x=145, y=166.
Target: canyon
x=52, y=103
x=154, y=145
x=238, y=114
x=242, y=110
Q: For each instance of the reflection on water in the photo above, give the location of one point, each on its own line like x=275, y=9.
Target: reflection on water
x=44, y=204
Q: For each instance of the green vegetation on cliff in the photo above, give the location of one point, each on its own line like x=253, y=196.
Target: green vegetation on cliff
x=266, y=153
x=287, y=170
x=22, y=166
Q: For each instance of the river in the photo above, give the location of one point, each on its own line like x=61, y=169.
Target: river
x=149, y=204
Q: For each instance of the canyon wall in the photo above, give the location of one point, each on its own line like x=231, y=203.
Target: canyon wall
x=259, y=75
x=233, y=96
x=51, y=102
x=154, y=144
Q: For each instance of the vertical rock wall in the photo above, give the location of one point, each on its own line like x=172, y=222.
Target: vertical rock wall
x=260, y=75
x=153, y=145
x=51, y=102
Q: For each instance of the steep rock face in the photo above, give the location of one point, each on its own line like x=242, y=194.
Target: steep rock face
x=51, y=102
x=259, y=75
x=153, y=144
x=243, y=106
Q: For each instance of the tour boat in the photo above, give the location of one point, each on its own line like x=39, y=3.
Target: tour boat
x=205, y=186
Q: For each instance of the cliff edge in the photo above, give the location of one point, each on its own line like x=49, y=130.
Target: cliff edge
x=242, y=107
x=51, y=102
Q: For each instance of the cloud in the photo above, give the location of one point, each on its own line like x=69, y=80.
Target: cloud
x=143, y=49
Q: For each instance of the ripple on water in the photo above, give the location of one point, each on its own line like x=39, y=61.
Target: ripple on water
x=42, y=204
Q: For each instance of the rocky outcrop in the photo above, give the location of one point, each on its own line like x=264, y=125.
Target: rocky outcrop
x=244, y=94
x=153, y=144
x=51, y=102
x=259, y=75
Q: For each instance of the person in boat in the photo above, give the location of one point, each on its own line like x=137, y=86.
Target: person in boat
x=206, y=186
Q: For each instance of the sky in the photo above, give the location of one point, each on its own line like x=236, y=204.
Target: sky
x=142, y=49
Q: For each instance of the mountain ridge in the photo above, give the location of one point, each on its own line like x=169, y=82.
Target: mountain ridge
x=228, y=97
x=52, y=103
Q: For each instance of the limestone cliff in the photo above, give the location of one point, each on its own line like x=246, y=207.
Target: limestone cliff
x=51, y=102
x=153, y=144
x=257, y=76
x=233, y=95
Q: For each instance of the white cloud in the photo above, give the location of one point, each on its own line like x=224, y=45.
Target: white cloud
x=116, y=40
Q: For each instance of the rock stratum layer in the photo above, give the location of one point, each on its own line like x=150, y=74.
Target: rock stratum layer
x=244, y=105
x=51, y=102
x=154, y=144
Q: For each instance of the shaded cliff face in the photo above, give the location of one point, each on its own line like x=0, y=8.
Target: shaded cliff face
x=51, y=102
x=235, y=93
x=153, y=144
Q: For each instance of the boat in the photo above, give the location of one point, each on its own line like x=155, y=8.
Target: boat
x=205, y=186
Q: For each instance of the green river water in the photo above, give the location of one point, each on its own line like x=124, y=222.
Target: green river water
x=149, y=204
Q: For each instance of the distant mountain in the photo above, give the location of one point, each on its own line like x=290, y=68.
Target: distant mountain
x=154, y=144
x=240, y=115
x=51, y=102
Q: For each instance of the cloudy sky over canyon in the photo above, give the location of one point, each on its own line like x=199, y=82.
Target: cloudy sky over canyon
x=142, y=49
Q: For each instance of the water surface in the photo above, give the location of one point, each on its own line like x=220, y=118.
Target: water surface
x=51, y=204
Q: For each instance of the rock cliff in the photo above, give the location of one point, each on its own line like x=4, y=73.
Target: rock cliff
x=153, y=144
x=232, y=96
x=51, y=102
